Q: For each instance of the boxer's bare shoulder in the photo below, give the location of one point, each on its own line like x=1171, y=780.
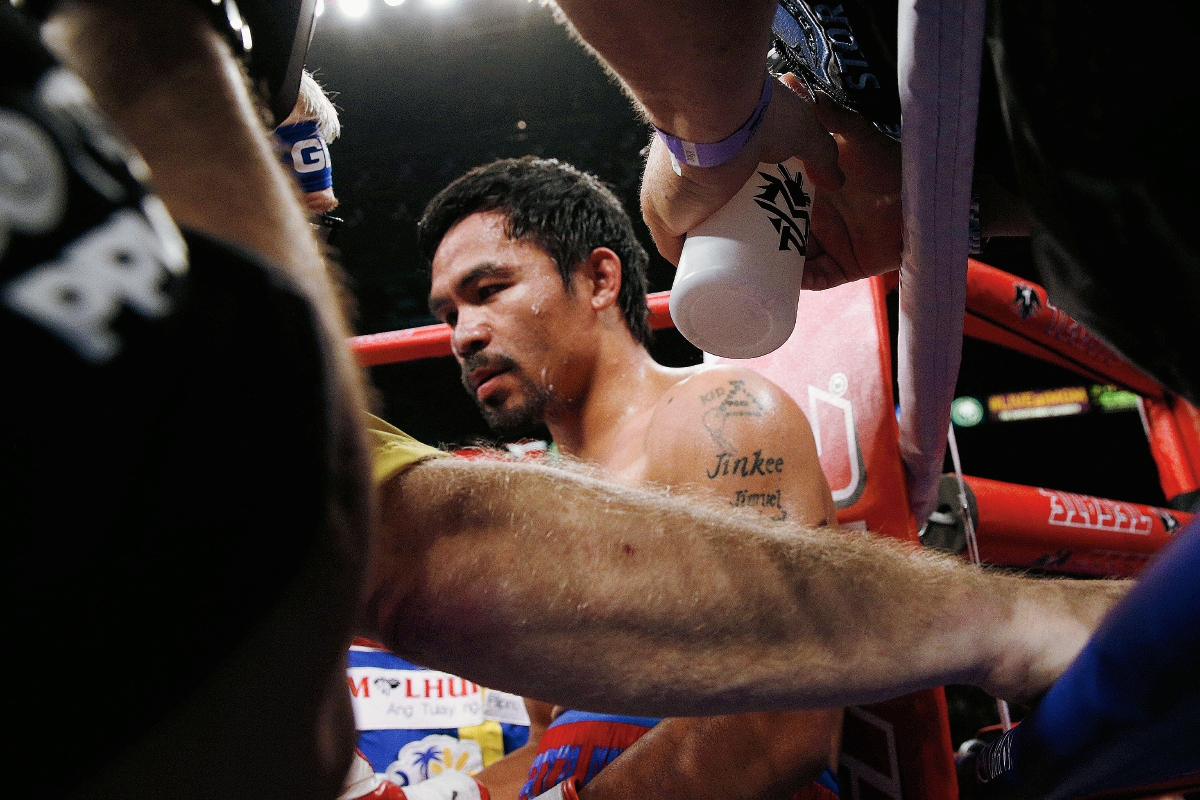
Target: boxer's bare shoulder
x=731, y=433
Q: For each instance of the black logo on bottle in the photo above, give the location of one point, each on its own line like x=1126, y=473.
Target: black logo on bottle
x=791, y=220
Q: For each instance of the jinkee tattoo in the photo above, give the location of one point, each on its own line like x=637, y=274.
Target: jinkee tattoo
x=744, y=467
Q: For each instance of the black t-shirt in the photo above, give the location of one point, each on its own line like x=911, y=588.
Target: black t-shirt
x=184, y=497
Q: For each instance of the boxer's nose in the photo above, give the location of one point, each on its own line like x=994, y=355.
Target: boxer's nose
x=471, y=334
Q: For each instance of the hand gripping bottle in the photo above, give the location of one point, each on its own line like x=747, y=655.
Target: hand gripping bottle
x=738, y=283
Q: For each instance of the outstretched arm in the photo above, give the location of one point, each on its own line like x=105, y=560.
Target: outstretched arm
x=697, y=70
x=732, y=435
x=695, y=67
x=638, y=603
x=171, y=85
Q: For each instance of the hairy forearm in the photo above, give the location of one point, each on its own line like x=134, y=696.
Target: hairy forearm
x=696, y=67
x=635, y=603
x=738, y=757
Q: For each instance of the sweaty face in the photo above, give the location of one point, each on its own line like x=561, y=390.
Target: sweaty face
x=513, y=323
x=509, y=410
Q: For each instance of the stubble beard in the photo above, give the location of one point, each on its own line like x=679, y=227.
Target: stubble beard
x=506, y=419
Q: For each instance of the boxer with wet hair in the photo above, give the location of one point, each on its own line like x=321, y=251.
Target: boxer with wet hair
x=536, y=267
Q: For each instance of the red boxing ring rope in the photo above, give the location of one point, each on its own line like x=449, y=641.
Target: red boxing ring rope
x=433, y=341
x=1173, y=428
x=1009, y=311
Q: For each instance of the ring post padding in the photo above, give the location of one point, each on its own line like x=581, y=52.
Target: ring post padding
x=900, y=749
x=1173, y=430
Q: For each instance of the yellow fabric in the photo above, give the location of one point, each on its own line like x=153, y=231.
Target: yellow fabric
x=490, y=737
x=395, y=450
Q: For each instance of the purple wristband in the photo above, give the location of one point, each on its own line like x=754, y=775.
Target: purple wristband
x=717, y=153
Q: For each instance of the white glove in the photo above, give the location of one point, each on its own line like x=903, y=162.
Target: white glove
x=363, y=784
x=560, y=791
x=447, y=786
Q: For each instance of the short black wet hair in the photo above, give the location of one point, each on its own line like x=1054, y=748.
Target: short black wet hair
x=563, y=210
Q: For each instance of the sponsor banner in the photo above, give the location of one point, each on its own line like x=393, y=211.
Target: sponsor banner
x=504, y=708
x=1038, y=405
x=407, y=699
x=967, y=412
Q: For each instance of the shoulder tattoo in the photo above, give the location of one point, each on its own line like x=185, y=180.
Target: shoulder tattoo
x=736, y=401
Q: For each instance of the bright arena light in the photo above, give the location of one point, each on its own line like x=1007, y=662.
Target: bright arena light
x=393, y=2
x=320, y=8
x=354, y=8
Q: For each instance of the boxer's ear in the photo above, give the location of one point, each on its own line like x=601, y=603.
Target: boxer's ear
x=602, y=276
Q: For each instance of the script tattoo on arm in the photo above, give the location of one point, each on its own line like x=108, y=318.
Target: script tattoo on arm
x=727, y=464
x=735, y=400
x=763, y=501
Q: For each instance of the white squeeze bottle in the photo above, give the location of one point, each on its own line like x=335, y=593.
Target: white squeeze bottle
x=738, y=282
